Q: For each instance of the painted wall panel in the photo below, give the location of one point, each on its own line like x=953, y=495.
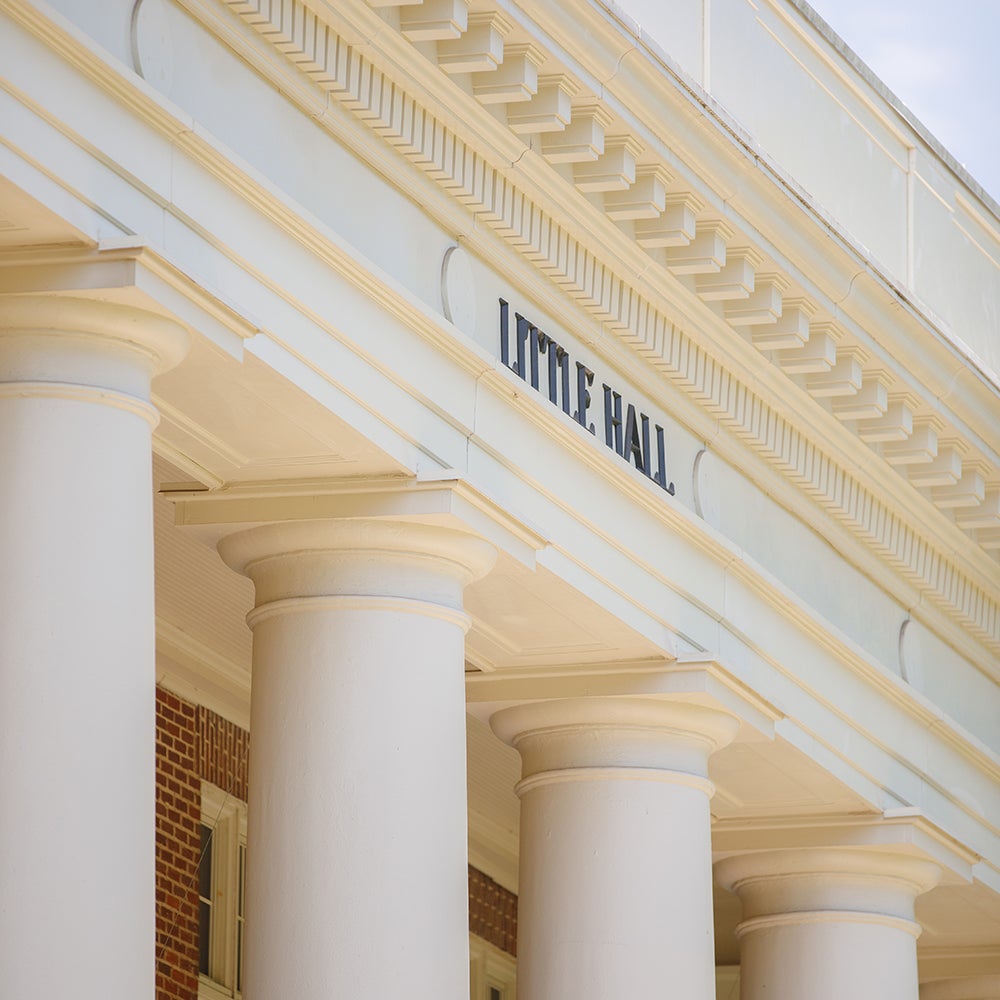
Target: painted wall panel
x=957, y=264
x=240, y=110
x=107, y=22
x=841, y=155
x=676, y=27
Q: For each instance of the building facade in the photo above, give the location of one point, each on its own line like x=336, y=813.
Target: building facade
x=564, y=450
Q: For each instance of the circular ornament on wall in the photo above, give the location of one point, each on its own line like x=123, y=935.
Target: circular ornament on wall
x=458, y=293
x=152, y=53
x=911, y=660
x=705, y=487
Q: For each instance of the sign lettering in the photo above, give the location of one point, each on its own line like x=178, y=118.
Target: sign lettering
x=539, y=360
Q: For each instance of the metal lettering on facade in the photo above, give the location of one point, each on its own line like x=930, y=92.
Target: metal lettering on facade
x=539, y=359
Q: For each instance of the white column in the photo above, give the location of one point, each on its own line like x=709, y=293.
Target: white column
x=357, y=883
x=77, y=646
x=828, y=923
x=985, y=987
x=615, y=883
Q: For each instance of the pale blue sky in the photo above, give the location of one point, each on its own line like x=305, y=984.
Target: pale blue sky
x=942, y=60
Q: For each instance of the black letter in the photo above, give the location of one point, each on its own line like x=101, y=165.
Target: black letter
x=538, y=342
x=523, y=330
x=504, y=335
x=632, y=445
x=661, y=473
x=564, y=365
x=584, y=378
x=613, y=419
x=556, y=354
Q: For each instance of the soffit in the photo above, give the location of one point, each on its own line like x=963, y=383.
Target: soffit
x=25, y=222
x=231, y=421
x=239, y=423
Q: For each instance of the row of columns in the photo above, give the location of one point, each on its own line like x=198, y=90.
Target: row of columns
x=357, y=881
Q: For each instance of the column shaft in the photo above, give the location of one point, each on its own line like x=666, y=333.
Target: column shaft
x=77, y=647
x=615, y=866
x=357, y=882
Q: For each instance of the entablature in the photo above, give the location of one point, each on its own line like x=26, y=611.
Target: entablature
x=760, y=418
x=801, y=363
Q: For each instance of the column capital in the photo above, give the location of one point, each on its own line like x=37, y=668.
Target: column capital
x=807, y=884
x=87, y=350
x=584, y=736
x=366, y=558
x=828, y=922
x=116, y=327
x=904, y=831
x=446, y=500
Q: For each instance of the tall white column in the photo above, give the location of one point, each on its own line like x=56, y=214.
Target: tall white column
x=986, y=987
x=357, y=883
x=828, y=923
x=615, y=884
x=77, y=646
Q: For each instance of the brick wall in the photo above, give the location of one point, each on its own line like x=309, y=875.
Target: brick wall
x=194, y=744
x=178, y=811
x=222, y=753
x=492, y=912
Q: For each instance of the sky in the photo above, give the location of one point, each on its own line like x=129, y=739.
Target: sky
x=942, y=60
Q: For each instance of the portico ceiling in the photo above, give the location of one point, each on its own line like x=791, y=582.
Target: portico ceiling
x=25, y=222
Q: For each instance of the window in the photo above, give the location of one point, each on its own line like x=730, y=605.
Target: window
x=491, y=972
x=221, y=885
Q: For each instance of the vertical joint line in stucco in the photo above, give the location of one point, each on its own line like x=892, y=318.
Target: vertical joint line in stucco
x=911, y=183
x=706, y=45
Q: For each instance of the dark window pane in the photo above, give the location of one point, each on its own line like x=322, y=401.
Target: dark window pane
x=204, y=922
x=240, y=911
x=205, y=864
x=239, y=957
x=243, y=878
x=495, y=994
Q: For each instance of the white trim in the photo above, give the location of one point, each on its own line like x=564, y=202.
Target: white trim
x=490, y=967
x=227, y=818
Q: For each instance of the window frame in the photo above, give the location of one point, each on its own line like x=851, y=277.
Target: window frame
x=226, y=816
x=489, y=967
